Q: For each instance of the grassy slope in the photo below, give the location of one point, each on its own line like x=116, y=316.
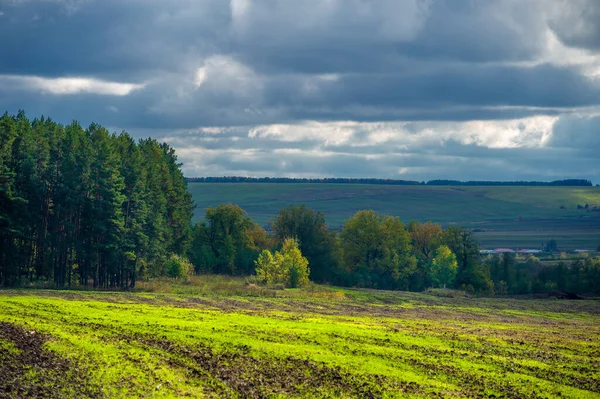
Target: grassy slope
x=217, y=337
x=504, y=216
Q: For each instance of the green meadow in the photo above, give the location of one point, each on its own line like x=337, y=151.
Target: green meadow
x=518, y=217
x=223, y=337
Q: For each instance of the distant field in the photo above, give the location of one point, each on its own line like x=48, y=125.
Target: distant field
x=503, y=216
x=217, y=338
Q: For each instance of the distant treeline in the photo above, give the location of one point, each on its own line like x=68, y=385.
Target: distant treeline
x=512, y=274
x=391, y=182
x=379, y=251
x=567, y=182
x=84, y=206
x=335, y=180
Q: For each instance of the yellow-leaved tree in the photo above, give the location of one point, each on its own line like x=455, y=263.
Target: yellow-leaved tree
x=269, y=268
x=287, y=266
x=295, y=264
x=444, y=266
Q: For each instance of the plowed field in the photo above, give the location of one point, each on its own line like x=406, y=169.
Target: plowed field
x=319, y=342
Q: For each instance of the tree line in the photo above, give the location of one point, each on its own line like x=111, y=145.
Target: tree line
x=555, y=183
x=87, y=207
x=513, y=274
x=374, y=251
x=371, y=250
x=393, y=182
x=331, y=180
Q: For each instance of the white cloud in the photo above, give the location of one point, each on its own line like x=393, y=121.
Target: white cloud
x=239, y=8
x=526, y=132
x=224, y=73
x=70, y=85
x=200, y=76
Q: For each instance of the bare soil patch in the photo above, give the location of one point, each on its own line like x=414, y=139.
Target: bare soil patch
x=236, y=372
x=27, y=370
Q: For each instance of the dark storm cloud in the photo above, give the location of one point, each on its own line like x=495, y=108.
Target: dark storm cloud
x=114, y=39
x=409, y=59
x=581, y=133
x=576, y=23
x=362, y=36
x=169, y=69
x=539, y=86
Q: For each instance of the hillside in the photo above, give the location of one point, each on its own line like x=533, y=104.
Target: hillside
x=502, y=216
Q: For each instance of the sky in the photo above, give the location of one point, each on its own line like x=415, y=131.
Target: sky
x=403, y=89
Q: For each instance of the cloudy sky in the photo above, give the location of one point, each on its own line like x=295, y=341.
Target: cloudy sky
x=408, y=89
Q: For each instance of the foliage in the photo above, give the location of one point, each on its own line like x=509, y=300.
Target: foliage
x=468, y=206
x=287, y=266
x=551, y=246
x=425, y=238
x=470, y=271
x=178, y=267
x=295, y=263
x=343, y=180
x=377, y=249
x=316, y=242
x=269, y=268
x=444, y=266
x=531, y=276
x=81, y=206
x=228, y=241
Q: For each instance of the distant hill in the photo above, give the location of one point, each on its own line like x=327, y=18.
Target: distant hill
x=502, y=216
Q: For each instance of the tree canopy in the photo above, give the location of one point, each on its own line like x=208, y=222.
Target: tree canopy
x=377, y=248
x=287, y=266
x=316, y=242
x=87, y=206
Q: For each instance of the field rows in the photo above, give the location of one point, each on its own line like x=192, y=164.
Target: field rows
x=326, y=343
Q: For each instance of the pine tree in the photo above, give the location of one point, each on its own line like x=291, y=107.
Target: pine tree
x=82, y=204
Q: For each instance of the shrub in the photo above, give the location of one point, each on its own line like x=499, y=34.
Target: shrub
x=269, y=268
x=287, y=267
x=178, y=267
x=295, y=264
x=444, y=266
x=501, y=288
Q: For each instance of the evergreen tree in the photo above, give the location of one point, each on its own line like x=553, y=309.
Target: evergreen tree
x=79, y=205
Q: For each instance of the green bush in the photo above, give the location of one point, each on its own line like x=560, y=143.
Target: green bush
x=178, y=267
x=287, y=267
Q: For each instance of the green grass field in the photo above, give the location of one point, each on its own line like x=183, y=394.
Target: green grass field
x=218, y=337
x=518, y=217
